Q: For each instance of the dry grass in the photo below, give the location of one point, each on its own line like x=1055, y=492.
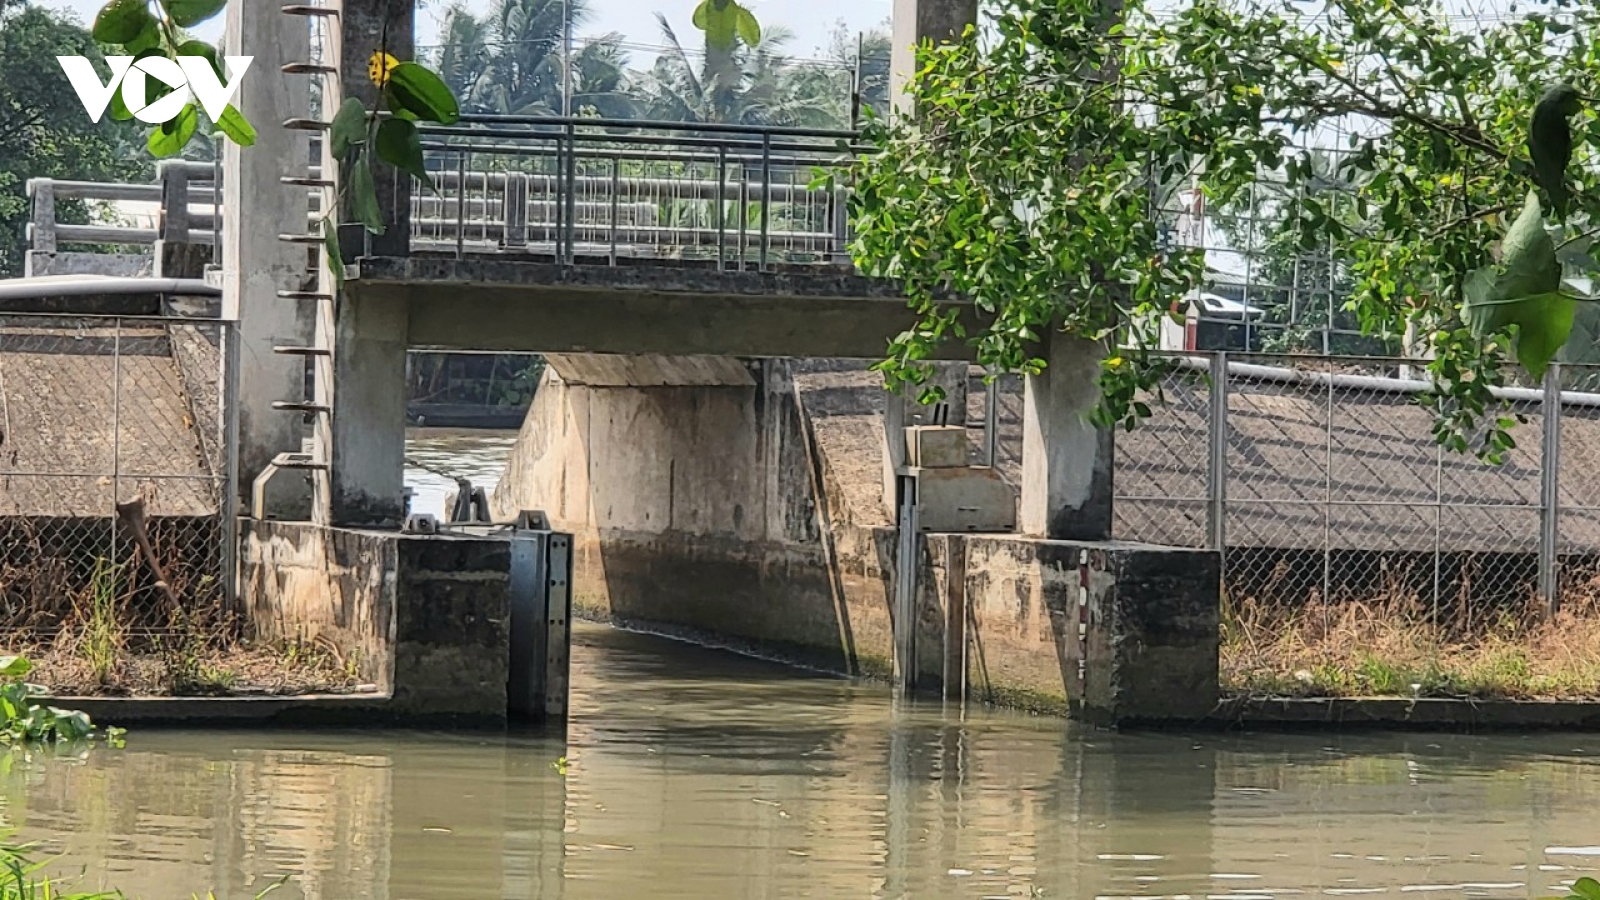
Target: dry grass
x=238, y=669
x=107, y=630
x=1396, y=645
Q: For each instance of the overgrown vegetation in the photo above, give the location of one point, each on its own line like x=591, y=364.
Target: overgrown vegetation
x=1397, y=644
x=26, y=719
x=1035, y=177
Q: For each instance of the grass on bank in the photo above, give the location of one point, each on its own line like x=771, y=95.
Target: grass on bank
x=1398, y=646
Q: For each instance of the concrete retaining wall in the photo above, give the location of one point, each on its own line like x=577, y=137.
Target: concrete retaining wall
x=747, y=509
x=426, y=618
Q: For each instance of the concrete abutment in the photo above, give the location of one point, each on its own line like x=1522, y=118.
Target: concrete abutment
x=741, y=503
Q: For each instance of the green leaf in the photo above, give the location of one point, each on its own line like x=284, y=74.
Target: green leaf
x=330, y=243
x=749, y=28
x=121, y=21
x=1524, y=292
x=364, y=196
x=348, y=128
x=1587, y=888
x=721, y=24
x=169, y=139
x=395, y=109
x=186, y=13
x=147, y=39
x=14, y=667
x=119, y=108
x=398, y=145
x=201, y=48
x=237, y=127
x=424, y=94
x=702, y=14
x=1550, y=141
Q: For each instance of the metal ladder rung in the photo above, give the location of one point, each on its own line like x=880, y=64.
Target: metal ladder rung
x=305, y=125
x=301, y=239
x=301, y=351
x=309, y=68
x=303, y=295
x=301, y=406
x=298, y=461
x=302, y=181
x=302, y=9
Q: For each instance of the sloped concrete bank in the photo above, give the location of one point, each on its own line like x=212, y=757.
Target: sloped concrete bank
x=741, y=503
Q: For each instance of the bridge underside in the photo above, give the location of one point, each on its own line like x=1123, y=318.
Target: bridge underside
x=529, y=306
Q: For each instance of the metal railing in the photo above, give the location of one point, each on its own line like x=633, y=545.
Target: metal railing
x=117, y=473
x=1319, y=478
x=573, y=189
x=602, y=189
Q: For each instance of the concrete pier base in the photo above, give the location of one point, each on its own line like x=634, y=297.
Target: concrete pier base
x=426, y=618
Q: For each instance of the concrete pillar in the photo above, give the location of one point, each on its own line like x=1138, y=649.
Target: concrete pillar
x=914, y=21
x=1066, y=461
x=365, y=26
x=257, y=207
x=366, y=433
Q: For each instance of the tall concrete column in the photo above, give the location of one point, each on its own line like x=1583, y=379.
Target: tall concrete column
x=1066, y=460
x=914, y=21
x=257, y=207
x=365, y=26
x=367, y=430
x=362, y=382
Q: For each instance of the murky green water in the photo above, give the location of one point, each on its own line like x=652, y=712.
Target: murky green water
x=477, y=455
x=695, y=774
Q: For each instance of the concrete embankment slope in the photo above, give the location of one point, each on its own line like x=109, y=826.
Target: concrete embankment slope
x=743, y=502
x=95, y=412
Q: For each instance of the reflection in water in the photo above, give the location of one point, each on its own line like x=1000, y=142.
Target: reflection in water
x=695, y=774
x=477, y=455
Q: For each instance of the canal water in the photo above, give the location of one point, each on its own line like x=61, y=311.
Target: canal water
x=436, y=456
x=689, y=773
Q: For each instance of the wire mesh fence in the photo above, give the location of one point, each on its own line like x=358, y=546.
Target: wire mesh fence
x=1320, y=480
x=115, y=492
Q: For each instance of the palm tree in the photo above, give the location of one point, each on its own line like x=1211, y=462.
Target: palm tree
x=510, y=61
x=736, y=84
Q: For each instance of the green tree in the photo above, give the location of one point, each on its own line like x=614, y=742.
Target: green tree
x=741, y=84
x=1303, y=292
x=44, y=132
x=1025, y=181
x=510, y=62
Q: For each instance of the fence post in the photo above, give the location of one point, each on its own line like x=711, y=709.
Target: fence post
x=44, y=214
x=175, y=202
x=1217, y=456
x=516, y=233
x=1549, y=491
x=229, y=502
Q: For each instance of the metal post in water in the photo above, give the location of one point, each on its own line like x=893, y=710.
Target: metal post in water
x=905, y=589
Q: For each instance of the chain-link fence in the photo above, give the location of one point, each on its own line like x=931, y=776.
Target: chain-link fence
x=1320, y=480
x=115, y=490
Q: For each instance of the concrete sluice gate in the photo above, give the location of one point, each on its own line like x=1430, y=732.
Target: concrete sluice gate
x=752, y=504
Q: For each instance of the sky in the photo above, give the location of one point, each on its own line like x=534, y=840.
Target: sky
x=810, y=20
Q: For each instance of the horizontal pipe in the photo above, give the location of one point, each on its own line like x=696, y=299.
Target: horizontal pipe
x=1377, y=383
x=647, y=125
x=89, y=286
